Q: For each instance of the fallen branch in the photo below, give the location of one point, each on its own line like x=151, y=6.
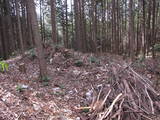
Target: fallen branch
x=108, y=110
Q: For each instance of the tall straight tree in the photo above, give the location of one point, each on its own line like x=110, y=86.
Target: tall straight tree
x=144, y=28
x=77, y=25
x=66, y=23
x=93, y=25
x=37, y=37
x=53, y=20
x=114, y=34
x=153, y=26
x=131, y=29
x=19, y=27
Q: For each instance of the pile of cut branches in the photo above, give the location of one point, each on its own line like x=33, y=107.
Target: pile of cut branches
x=128, y=96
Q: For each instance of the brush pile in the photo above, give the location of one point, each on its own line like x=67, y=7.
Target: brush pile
x=128, y=96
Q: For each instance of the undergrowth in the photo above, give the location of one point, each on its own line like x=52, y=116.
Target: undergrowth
x=3, y=66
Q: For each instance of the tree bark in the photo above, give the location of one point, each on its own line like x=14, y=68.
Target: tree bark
x=53, y=21
x=153, y=27
x=38, y=41
x=19, y=28
x=131, y=29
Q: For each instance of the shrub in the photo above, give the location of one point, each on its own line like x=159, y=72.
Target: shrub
x=157, y=47
x=94, y=60
x=78, y=63
x=32, y=53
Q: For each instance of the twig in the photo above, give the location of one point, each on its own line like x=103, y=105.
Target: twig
x=83, y=108
x=108, y=111
x=151, y=102
x=103, y=102
x=129, y=91
x=99, y=93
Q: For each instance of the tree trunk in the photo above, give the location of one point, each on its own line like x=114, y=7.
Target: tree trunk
x=19, y=28
x=153, y=26
x=38, y=41
x=144, y=29
x=77, y=41
x=66, y=24
x=53, y=21
x=131, y=29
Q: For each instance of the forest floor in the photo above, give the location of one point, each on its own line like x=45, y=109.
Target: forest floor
x=71, y=78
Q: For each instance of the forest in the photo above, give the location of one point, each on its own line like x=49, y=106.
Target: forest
x=79, y=59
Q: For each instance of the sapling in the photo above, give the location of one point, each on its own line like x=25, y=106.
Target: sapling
x=3, y=66
x=45, y=80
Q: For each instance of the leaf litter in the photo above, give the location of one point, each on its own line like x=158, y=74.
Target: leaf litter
x=81, y=87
